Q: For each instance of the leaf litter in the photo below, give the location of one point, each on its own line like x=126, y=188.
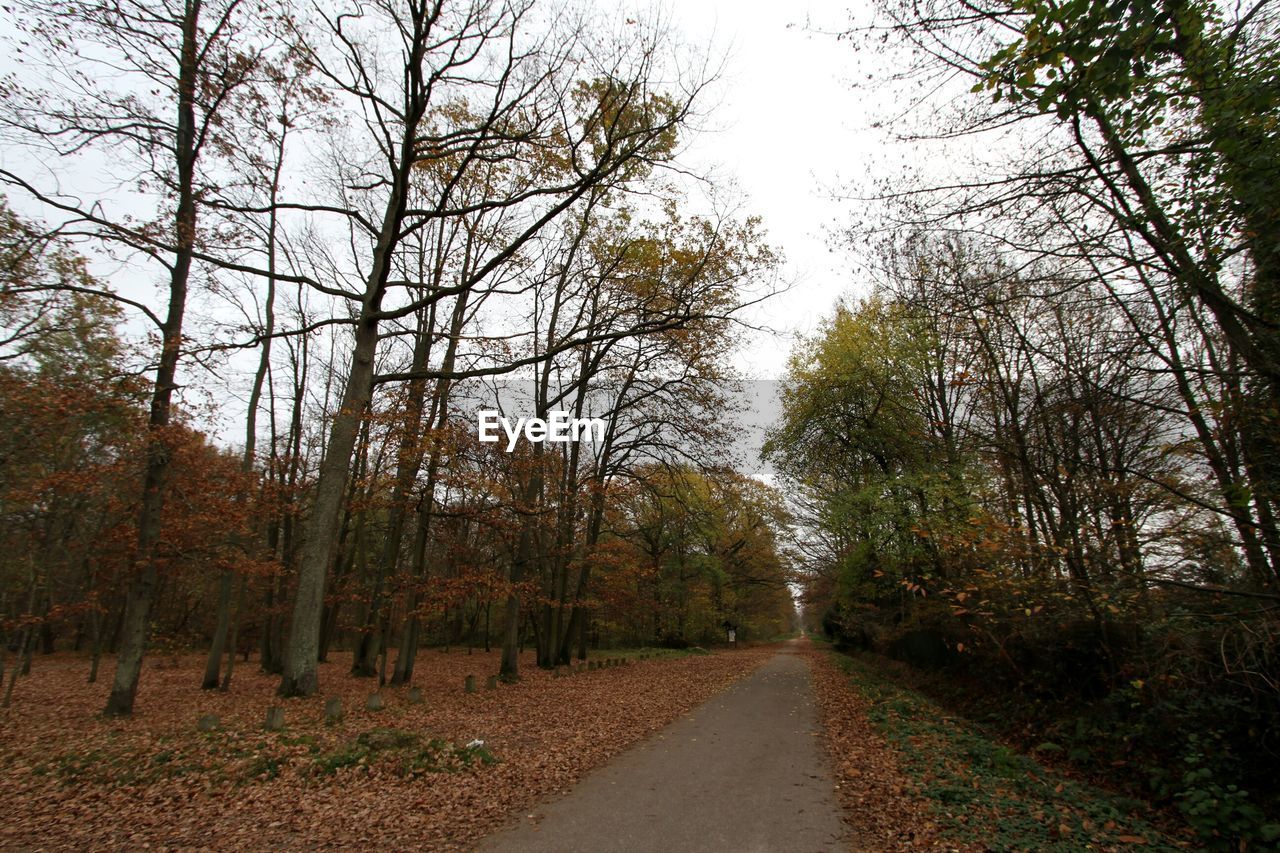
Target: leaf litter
x=440, y=774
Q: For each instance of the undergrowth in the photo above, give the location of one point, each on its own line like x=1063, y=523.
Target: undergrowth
x=982, y=792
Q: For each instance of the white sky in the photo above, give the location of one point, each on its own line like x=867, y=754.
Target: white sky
x=787, y=127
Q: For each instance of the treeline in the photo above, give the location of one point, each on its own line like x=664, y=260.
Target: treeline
x=367, y=224
x=1041, y=454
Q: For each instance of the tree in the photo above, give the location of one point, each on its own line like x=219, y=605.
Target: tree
x=471, y=86
x=73, y=411
x=1117, y=133
x=1131, y=69
x=69, y=471
x=176, y=70
x=690, y=551
x=285, y=106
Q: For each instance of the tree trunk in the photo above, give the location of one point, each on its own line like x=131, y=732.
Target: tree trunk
x=408, y=464
x=212, y=669
x=302, y=652
x=137, y=614
x=408, y=651
x=510, y=668
x=247, y=462
x=232, y=639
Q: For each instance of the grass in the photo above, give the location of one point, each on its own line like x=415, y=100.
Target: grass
x=407, y=753
x=982, y=792
x=133, y=767
x=263, y=758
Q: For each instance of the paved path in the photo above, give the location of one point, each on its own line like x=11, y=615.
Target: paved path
x=743, y=772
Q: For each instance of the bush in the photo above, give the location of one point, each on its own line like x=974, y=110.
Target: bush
x=1222, y=815
x=1186, y=717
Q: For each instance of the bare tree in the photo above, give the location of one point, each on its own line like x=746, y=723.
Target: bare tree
x=473, y=83
x=176, y=70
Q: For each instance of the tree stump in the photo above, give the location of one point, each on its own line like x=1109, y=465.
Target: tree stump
x=415, y=696
x=208, y=723
x=333, y=711
x=275, y=719
x=375, y=702
x=491, y=683
x=471, y=684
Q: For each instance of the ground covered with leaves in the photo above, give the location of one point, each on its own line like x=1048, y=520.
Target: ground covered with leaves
x=440, y=774
x=912, y=776
x=881, y=806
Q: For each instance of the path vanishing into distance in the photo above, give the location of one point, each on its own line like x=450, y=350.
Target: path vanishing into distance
x=745, y=771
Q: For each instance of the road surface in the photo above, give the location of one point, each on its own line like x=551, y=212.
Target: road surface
x=743, y=772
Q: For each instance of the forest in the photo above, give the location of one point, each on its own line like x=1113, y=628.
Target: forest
x=264, y=265
x=1038, y=458
x=490, y=222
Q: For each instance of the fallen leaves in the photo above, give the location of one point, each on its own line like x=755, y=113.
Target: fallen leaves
x=875, y=793
x=928, y=777
x=406, y=776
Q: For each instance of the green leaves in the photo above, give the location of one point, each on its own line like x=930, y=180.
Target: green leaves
x=859, y=432
x=1085, y=51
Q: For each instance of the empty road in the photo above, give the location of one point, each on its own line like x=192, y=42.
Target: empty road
x=743, y=772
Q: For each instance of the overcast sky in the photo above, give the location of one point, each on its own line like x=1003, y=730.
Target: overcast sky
x=789, y=128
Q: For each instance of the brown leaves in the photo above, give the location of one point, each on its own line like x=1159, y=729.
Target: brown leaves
x=875, y=793
x=156, y=780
